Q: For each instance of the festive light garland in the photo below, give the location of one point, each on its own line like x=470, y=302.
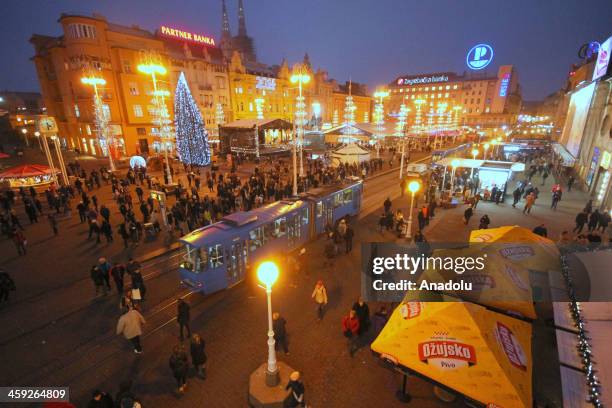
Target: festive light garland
x=584, y=346
x=191, y=136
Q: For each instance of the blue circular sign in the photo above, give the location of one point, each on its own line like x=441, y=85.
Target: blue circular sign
x=479, y=56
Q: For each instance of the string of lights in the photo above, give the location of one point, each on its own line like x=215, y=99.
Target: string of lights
x=191, y=136
x=584, y=346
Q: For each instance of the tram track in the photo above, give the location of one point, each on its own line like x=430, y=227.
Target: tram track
x=148, y=277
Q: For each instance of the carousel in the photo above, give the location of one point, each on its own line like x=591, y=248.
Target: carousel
x=28, y=175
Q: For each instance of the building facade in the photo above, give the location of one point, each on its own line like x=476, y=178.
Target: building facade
x=470, y=99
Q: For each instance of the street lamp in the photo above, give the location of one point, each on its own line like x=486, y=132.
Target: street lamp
x=486, y=147
x=267, y=273
x=474, y=154
x=101, y=119
x=454, y=164
x=300, y=76
x=413, y=187
x=153, y=69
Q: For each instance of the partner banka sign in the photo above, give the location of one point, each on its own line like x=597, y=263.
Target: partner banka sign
x=422, y=80
x=479, y=56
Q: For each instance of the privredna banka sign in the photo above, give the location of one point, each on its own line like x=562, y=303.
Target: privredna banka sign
x=186, y=35
x=447, y=354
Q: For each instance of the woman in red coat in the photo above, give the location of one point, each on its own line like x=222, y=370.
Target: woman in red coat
x=350, y=329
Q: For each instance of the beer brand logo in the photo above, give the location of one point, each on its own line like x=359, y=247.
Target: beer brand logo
x=515, y=278
x=446, y=354
x=517, y=253
x=480, y=281
x=479, y=56
x=483, y=238
x=410, y=310
x=511, y=346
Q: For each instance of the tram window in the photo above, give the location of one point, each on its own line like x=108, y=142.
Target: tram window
x=280, y=227
x=268, y=232
x=201, y=260
x=319, y=209
x=337, y=200
x=256, y=237
x=305, y=216
x=348, y=196
x=215, y=255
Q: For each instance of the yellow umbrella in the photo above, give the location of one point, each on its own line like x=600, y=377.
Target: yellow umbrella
x=483, y=355
x=501, y=284
x=518, y=245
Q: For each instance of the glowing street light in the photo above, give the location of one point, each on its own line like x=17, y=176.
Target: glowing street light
x=486, y=147
x=267, y=273
x=161, y=112
x=413, y=187
x=300, y=76
x=100, y=114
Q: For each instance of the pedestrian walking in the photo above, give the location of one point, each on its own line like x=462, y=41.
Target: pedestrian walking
x=593, y=220
x=100, y=399
x=556, y=197
x=570, y=182
x=105, y=268
x=580, y=220
x=19, y=240
x=348, y=238
x=604, y=220
x=182, y=317
x=118, y=274
x=350, y=329
x=529, y=201
x=198, y=355
x=467, y=214
x=296, y=391
x=53, y=223
x=138, y=285
x=7, y=285
x=279, y=326
x=363, y=314
x=319, y=294
x=97, y=278
x=130, y=325
x=179, y=365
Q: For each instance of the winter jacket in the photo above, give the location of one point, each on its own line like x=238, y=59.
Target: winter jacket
x=183, y=313
x=350, y=324
x=319, y=294
x=198, y=353
x=179, y=364
x=130, y=324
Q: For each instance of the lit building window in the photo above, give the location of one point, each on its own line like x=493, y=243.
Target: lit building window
x=251, y=106
x=77, y=113
x=447, y=87
x=446, y=95
x=454, y=86
x=81, y=31
x=440, y=95
x=427, y=88
x=127, y=67
x=138, y=111
x=134, y=89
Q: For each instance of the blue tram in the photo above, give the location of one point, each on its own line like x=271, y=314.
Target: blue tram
x=453, y=151
x=217, y=256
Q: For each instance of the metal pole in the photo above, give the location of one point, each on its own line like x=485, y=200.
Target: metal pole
x=452, y=182
x=60, y=160
x=49, y=159
x=403, y=153
x=272, y=377
x=443, y=179
x=295, y=189
x=301, y=128
x=160, y=112
x=409, y=233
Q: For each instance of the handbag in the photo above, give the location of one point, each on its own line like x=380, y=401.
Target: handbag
x=136, y=294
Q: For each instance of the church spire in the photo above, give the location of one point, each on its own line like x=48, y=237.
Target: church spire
x=241, y=20
x=225, y=27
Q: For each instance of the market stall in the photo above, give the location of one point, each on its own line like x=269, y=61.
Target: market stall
x=350, y=154
x=462, y=348
x=28, y=175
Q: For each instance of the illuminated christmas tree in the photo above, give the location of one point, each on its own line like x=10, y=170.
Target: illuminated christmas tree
x=191, y=136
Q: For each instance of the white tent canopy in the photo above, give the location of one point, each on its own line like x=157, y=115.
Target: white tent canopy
x=350, y=154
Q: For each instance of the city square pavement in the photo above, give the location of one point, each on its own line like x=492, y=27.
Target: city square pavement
x=233, y=322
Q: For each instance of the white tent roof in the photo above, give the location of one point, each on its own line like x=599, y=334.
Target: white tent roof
x=351, y=150
x=249, y=123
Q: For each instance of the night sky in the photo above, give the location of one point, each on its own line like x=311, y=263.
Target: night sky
x=373, y=41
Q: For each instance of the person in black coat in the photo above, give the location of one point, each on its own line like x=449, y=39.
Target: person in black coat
x=183, y=317
x=296, y=391
x=363, y=314
x=138, y=283
x=100, y=399
x=280, y=332
x=541, y=231
x=581, y=219
x=179, y=365
x=198, y=355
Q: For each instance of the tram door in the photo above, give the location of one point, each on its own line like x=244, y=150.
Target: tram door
x=328, y=211
x=294, y=230
x=236, y=264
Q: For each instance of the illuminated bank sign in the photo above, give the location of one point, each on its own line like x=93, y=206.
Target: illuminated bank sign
x=187, y=36
x=265, y=83
x=422, y=80
x=479, y=56
x=503, y=87
x=603, y=59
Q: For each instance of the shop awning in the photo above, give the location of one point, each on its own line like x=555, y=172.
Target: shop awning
x=26, y=170
x=483, y=355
